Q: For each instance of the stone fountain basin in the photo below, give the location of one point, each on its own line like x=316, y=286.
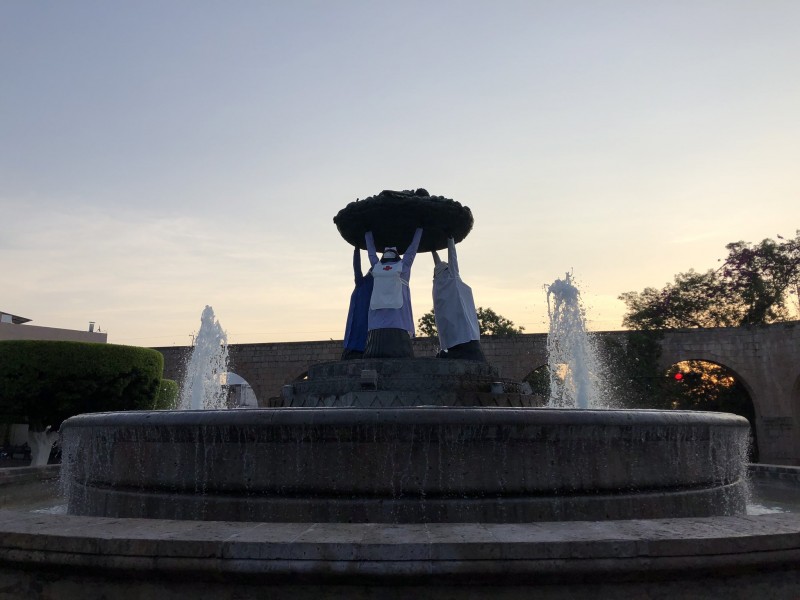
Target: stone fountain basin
x=425, y=464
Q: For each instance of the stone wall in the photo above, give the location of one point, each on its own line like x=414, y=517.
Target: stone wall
x=765, y=359
x=268, y=367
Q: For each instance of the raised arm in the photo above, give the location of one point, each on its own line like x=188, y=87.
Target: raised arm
x=436, y=259
x=357, y=274
x=373, y=256
x=411, y=251
x=452, y=259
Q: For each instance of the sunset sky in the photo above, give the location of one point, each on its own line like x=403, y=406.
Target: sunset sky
x=158, y=156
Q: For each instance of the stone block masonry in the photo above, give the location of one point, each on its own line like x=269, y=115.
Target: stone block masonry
x=766, y=359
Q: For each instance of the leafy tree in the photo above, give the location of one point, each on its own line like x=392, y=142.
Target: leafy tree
x=490, y=323
x=762, y=276
x=632, y=376
x=693, y=300
x=427, y=324
x=50, y=381
x=493, y=324
x=752, y=286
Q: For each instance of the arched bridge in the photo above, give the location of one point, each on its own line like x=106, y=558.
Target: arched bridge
x=766, y=359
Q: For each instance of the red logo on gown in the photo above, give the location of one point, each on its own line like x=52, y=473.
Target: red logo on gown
x=387, y=268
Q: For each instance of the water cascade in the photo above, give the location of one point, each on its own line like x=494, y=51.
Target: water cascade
x=203, y=386
x=572, y=361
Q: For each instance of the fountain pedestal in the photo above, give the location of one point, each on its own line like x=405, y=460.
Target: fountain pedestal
x=405, y=452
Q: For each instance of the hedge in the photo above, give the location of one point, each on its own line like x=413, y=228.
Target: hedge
x=167, y=396
x=48, y=381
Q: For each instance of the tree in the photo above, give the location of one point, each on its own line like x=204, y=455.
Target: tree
x=490, y=323
x=493, y=324
x=427, y=324
x=632, y=376
x=763, y=276
x=752, y=286
x=46, y=382
x=693, y=300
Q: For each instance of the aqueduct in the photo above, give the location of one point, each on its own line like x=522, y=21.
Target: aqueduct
x=766, y=359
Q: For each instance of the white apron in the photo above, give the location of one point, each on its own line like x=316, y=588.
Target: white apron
x=387, y=290
x=454, y=311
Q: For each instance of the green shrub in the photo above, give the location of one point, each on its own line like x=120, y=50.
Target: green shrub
x=48, y=381
x=167, y=397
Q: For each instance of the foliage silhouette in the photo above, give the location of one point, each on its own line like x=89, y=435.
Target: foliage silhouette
x=754, y=285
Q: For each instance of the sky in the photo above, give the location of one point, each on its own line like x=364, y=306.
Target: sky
x=159, y=156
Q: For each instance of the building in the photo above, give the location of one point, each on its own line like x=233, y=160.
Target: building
x=14, y=327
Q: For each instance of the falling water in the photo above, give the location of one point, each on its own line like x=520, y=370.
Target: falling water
x=203, y=385
x=571, y=360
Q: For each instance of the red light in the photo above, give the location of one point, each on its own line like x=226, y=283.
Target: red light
x=678, y=376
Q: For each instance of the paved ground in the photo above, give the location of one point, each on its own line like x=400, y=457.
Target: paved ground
x=12, y=462
x=46, y=555
x=66, y=557
x=23, y=462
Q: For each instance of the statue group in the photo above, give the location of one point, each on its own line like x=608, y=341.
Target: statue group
x=380, y=321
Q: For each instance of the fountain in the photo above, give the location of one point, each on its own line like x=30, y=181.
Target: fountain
x=407, y=476
x=415, y=440
x=571, y=362
x=203, y=384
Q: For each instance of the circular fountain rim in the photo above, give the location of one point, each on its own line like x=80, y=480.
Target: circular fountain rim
x=423, y=415
x=437, y=457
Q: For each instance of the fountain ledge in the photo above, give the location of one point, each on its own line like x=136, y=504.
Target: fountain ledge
x=743, y=555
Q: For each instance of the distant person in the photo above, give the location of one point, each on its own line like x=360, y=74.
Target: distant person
x=391, y=322
x=454, y=310
x=355, y=332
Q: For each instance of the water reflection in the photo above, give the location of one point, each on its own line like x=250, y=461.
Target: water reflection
x=769, y=497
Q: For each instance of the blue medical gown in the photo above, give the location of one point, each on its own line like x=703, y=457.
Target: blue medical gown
x=355, y=332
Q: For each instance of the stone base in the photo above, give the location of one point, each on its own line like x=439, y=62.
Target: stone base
x=389, y=399
x=467, y=351
x=70, y=558
x=392, y=383
x=405, y=465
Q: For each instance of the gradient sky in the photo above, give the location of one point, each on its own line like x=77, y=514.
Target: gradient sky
x=158, y=156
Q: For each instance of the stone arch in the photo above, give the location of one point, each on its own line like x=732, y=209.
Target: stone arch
x=248, y=372
x=794, y=399
x=535, y=369
x=755, y=419
x=240, y=393
x=539, y=380
x=667, y=360
x=764, y=359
